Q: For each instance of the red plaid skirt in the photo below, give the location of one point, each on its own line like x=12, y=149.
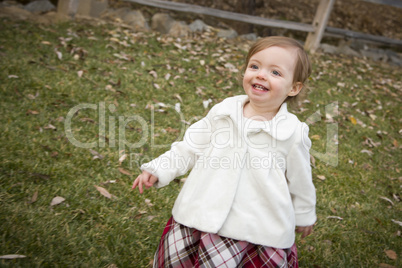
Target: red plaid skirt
x=181, y=246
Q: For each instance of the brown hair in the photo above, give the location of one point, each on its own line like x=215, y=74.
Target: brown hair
x=302, y=69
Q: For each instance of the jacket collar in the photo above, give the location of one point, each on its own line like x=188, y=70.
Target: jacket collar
x=281, y=127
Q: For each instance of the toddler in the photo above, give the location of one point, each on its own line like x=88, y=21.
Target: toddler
x=250, y=183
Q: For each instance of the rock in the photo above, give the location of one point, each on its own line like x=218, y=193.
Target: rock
x=396, y=60
x=346, y=50
x=394, y=57
x=15, y=12
x=374, y=55
x=7, y=3
x=328, y=49
x=228, y=34
x=92, y=8
x=250, y=36
x=198, y=26
x=162, y=23
x=179, y=29
x=40, y=6
x=37, y=18
x=56, y=17
x=136, y=20
x=67, y=7
x=115, y=14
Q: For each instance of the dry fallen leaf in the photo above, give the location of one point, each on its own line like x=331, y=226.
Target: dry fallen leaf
x=353, y=120
x=34, y=198
x=316, y=137
x=59, y=55
x=148, y=202
x=384, y=265
x=122, y=158
x=321, y=177
x=370, y=153
x=335, y=217
x=96, y=154
x=387, y=199
x=397, y=222
x=50, y=126
x=125, y=172
x=104, y=192
x=12, y=256
x=391, y=254
x=57, y=200
x=177, y=96
x=32, y=112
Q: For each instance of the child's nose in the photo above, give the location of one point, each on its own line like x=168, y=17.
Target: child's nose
x=262, y=74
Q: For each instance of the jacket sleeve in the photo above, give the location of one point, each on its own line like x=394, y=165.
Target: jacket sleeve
x=300, y=181
x=182, y=155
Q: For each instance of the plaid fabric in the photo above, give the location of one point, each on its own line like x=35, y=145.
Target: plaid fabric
x=181, y=246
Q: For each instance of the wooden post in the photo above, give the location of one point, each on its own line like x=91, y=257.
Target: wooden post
x=320, y=22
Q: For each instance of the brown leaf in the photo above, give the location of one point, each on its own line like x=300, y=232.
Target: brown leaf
x=103, y=192
x=122, y=158
x=395, y=143
x=148, y=202
x=125, y=172
x=57, y=200
x=384, y=265
x=50, y=126
x=391, y=254
x=316, y=137
x=34, y=198
x=12, y=256
x=321, y=177
x=32, y=112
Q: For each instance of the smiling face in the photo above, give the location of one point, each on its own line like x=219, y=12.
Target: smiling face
x=268, y=78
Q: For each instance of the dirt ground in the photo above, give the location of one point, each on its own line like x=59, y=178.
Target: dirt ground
x=353, y=15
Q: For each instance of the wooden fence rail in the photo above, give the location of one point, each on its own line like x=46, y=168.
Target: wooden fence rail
x=315, y=30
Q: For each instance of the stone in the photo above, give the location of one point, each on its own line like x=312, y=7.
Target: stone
x=179, y=29
x=228, y=34
x=198, y=26
x=162, y=23
x=115, y=14
x=374, y=55
x=56, y=17
x=15, y=12
x=40, y=6
x=250, y=36
x=67, y=7
x=92, y=8
x=136, y=20
x=396, y=60
x=328, y=49
x=346, y=50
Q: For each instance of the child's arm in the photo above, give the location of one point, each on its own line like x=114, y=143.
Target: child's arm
x=145, y=178
x=300, y=182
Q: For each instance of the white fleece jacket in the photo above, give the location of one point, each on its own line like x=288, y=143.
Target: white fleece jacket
x=250, y=180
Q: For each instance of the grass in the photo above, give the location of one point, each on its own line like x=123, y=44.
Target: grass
x=122, y=74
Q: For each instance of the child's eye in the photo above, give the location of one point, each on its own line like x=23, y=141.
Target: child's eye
x=253, y=66
x=276, y=73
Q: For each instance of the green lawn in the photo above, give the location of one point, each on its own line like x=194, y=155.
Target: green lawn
x=117, y=91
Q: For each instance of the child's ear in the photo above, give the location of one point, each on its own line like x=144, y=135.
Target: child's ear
x=295, y=89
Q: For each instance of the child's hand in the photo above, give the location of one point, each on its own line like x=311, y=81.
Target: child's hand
x=305, y=230
x=145, y=178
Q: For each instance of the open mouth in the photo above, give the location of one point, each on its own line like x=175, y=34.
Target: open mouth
x=260, y=87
